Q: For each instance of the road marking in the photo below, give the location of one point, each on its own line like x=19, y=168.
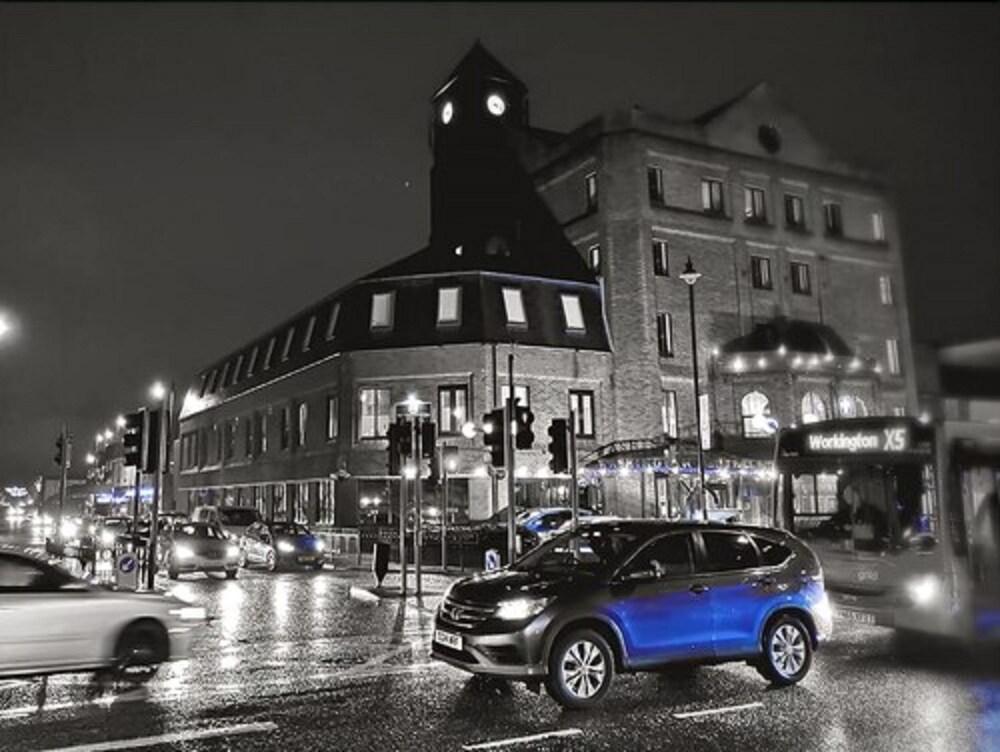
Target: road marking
x=524, y=739
x=717, y=711
x=181, y=736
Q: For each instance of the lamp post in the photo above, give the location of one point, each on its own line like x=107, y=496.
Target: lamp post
x=165, y=397
x=690, y=277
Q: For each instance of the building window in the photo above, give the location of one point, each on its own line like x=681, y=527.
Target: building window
x=594, y=258
x=331, y=325
x=269, y=357
x=513, y=305
x=449, y=305
x=711, y=196
x=286, y=426
x=795, y=215
x=892, y=354
x=665, y=335
x=654, y=176
x=572, y=313
x=375, y=410
x=286, y=351
x=590, y=181
x=661, y=258
x=253, y=361
x=260, y=432
x=834, y=219
x=307, y=340
x=851, y=406
x=224, y=377
x=813, y=408
x=521, y=394
x=229, y=430
x=754, y=407
x=212, y=380
x=885, y=289
x=760, y=272
x=452, y=409
x=325, y=503
x=754, y=204
x=301, y=424
x=216, y=445
x=382, y=305
x=236, y=371
x=668, y=412
x=800, y=279
x=581, y=404
x=332, y=417
x=248, y=437
x=878, y=227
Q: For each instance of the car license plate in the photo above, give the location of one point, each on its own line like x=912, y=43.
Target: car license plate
x=852, y=615
x=307, y=560
x=448, y=639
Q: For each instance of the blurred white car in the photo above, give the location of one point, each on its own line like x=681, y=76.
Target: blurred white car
x=52, y=622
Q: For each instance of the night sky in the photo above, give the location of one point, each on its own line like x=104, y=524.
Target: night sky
x=175, y=179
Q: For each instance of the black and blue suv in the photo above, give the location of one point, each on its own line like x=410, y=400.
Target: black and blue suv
x=635, y=595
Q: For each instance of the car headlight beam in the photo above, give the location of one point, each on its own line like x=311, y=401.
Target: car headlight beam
x=519, y=609
x=923, y=590
x=285, y=547
x=183, y=552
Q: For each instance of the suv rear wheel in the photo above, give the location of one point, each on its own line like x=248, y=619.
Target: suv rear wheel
x=581, y=668
x=787, y=651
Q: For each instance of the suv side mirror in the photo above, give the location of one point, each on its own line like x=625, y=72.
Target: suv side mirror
x=640, y=575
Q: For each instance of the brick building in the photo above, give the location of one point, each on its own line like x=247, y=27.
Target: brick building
x=566, y=249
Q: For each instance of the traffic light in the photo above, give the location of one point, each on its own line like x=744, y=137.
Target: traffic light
x=132, y=438
x=428, y=438
x=404, y=437
x=493, y=436
x=151, y=445
x=523, y=435
x=558, y=454
x=60, y=451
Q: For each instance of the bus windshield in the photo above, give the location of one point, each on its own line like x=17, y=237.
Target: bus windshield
x=864, y=507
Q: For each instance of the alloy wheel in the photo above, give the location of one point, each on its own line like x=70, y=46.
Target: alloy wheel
x=584, y=669
x=788, y=650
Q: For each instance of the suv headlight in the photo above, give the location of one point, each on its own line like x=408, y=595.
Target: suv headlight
x=232, y=551
x=285, y=547
x=521, y=608
x=183, y=552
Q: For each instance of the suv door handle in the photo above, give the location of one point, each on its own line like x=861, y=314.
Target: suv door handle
x=698, y=589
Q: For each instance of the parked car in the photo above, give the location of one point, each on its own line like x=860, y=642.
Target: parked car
x=279, y=544
x=544, y=522
x=109, y=529
x=52, y=622
x=635, y=595
x=233, y=521
x=198, y=547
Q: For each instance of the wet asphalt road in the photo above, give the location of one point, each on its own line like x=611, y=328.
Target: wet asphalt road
x=291, y=661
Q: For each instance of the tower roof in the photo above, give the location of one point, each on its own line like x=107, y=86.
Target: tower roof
x=480, y=64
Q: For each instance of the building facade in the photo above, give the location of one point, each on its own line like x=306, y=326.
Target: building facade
x=565, y=250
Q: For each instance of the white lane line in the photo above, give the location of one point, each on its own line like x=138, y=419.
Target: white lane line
x=717, y=711
x=524, y=739
x=181, y=736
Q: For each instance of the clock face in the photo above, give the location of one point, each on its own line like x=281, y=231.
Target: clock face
x=496, y=105
x=447, y=112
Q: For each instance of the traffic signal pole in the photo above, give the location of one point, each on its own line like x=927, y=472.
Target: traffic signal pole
x=418, y=498
x=508, y=446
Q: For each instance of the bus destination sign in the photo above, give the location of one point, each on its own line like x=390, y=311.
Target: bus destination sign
x=891, y=440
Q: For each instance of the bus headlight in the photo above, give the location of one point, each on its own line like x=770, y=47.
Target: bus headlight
x=923, y=590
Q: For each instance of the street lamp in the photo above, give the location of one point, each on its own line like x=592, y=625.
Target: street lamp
x=165, y=397
x=691, y=277
x=120, y=422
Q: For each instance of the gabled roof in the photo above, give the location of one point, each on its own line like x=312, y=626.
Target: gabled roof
x=480, y=63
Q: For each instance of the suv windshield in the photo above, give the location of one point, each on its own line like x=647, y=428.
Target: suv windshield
x=240, y=517
x=199, y=531
x=595, y=550
x=288, y=528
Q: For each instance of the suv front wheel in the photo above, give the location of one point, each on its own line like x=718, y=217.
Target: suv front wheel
x=787, y=651
x=581, y=668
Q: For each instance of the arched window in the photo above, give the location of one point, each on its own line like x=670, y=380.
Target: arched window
x=754, y=407
x=813, y=408
x=852, y=406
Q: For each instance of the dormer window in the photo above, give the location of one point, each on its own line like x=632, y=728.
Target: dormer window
x=268, y=359
x=382, y=309
x=573, y=313
x=307, y=340
x=253, y=361
x=449, y=305
x=331, y=327
x=287, y=349
x=513, y=305
x=236, y=371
